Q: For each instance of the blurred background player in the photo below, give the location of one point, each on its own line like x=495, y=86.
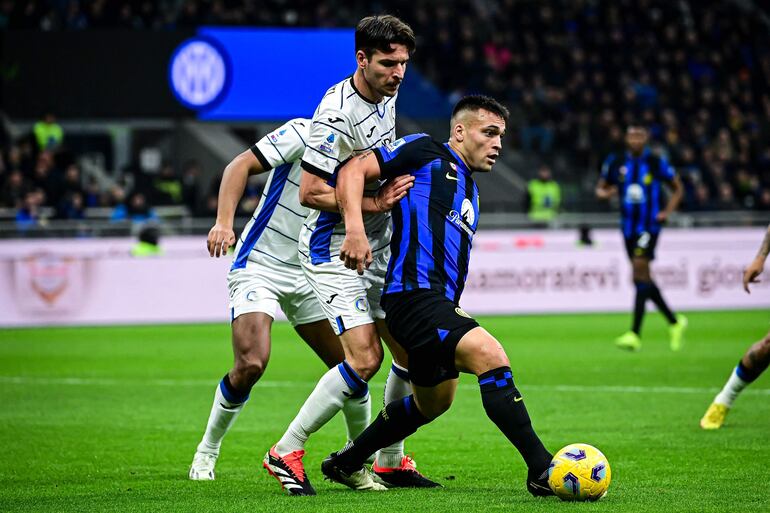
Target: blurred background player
x=754, y=361
x=432, y=237
x=355, y=115
x=265, y=273
x=636, y=177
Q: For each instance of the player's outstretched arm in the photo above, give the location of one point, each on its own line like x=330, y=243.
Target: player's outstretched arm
x=237, y=172
x=757, y=265
x=355, y=250
x=604, y=190
x=673, y=202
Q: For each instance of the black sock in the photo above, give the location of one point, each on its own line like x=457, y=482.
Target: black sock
x=395, y=422
x=663, y=308
x=642, y=293
x=505, y=407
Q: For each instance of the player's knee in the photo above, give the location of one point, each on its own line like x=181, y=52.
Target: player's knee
x=366, y=365
x=250, y=368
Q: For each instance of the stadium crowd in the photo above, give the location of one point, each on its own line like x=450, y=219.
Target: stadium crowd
x=573, y=72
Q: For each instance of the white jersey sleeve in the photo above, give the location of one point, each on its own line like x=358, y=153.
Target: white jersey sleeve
x=284, y=145
x=329, y=143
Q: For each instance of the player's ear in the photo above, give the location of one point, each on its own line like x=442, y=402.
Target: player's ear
x=458, y=132
x=361, y=59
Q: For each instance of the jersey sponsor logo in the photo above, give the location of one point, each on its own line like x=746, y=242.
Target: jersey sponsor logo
x=450, y=177
x=635, y=194
x=335, y=120
x=462, y=313
x=468, y=212
x=391, y=146
x=328, y=145
x=371, y=131
x=361, y=304
x=459, y=220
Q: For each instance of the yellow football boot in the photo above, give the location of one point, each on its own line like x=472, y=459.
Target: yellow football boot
x=715, y=416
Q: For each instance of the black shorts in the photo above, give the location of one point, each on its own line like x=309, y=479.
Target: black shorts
x=641, y=245
x=428, y=326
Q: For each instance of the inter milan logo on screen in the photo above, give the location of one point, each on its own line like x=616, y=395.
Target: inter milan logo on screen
x=198, y=73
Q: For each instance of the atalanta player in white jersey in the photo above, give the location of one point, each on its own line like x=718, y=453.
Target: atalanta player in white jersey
x=355, y=115
x=266, y=273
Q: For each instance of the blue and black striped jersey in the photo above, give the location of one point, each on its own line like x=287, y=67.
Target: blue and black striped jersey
x=639, y=182
x=434, y=224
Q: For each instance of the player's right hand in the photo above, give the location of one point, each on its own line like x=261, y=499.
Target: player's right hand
x=393, y=190
x=220, y=239
x=754, y=269
x=356, y=252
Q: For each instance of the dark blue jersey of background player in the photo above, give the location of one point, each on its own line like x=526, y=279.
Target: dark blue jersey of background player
x=433, y=225
x=639, y=181
x=637, y=176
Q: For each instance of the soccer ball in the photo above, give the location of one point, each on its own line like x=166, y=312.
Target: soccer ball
x=579, y=472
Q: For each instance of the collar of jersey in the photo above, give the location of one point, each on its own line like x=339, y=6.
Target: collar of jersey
x=364, y=98
x=457, y=158
x=645, y=152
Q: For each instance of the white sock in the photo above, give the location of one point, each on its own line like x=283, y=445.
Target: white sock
x=358, y=414
x=223, y=414
x=731, y=389
x=327, y=398
x=397, y=387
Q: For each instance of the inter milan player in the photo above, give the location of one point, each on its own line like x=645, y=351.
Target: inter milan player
x=433, y=227
x=754, y=361
x=355, y=115
x=636, y=176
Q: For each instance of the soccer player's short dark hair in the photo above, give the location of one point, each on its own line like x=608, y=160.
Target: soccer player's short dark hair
x=380, y=32
x=477, y=102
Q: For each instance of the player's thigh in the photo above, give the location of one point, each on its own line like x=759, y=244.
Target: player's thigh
x=322, y=340
x=253, y=302
x=640, y=266
x=251, y=338
x=399, y=354
x=435, y=400
x=478, y=352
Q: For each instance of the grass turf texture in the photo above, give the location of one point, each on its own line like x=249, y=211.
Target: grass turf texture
x=107, y=419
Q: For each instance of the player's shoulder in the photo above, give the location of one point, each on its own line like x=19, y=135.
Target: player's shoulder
x=298, y=127
x=337, y=100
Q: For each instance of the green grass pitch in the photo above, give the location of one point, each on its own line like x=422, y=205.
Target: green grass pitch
x=107, y=419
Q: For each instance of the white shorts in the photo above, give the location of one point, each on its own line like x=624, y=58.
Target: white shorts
x=263, y=286
x=347, y=299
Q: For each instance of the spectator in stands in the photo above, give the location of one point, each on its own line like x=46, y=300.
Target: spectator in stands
x=14, y=190
x=167, y=188
x=71, y=206
x=543, y=196
x=30, y=212
x=48, y=133
x=136, y=211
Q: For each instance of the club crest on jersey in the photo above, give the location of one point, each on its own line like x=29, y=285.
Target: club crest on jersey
x=361, y=304
x=328, y=144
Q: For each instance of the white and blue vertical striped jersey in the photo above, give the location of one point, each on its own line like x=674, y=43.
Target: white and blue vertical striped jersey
x=345, y=124
x=271, y=235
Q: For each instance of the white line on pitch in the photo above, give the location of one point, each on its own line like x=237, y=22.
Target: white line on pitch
x=610, y=389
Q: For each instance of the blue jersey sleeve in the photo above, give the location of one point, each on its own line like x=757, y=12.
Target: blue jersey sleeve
x=666, y=172
x=402, y=156
x=607, y=172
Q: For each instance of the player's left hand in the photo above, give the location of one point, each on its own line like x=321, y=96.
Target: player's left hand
x=392, y=192
x=356, y=252
x=662, y=217
x=754, y=269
